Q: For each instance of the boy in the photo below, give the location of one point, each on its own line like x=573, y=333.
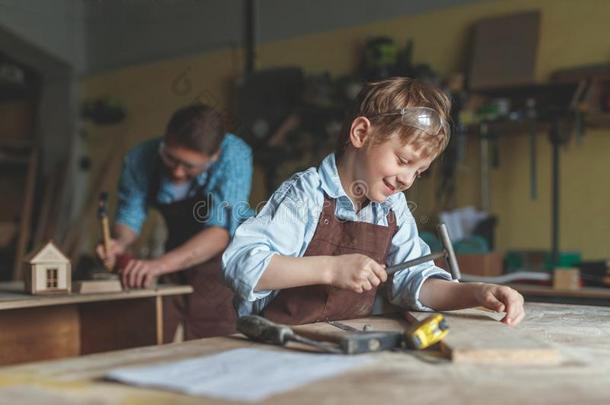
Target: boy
x=318, y=249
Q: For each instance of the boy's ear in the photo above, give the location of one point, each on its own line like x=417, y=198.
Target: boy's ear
x=359, y=132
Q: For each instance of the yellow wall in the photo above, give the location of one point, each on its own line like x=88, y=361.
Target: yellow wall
x=572, y=33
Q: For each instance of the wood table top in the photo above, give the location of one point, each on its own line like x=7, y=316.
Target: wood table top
x=581, y=334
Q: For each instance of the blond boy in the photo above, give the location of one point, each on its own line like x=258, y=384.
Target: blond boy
x=318, y=249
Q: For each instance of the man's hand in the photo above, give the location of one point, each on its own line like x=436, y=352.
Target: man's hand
x=356, y=272
x=141, y=273
x=501, y=299
x=109, y=258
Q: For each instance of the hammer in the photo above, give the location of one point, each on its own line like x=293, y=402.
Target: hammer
x=102, y=215
x=447, y=253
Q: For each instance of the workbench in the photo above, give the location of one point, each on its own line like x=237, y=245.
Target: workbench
x=584, y=295
x=580, y=333
x=41, y=327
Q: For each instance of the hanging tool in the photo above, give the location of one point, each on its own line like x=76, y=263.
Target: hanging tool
x=447, y=253
x=485, y=177
x=102, y=215
x=530, y=113
x=579, y=107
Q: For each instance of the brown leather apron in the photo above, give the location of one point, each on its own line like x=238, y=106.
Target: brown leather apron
x=334, y=237
x=209, y=310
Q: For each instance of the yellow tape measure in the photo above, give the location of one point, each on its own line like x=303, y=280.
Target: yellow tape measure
x=427, y=332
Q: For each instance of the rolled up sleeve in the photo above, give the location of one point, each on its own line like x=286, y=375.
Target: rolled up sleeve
x=279, y=228
x=132, y=205
x=231, y=192
x=407, y=245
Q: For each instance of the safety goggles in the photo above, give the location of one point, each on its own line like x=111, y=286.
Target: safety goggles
x=422, y=118
x=173, y=162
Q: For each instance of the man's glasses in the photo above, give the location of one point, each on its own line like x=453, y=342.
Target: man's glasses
x=422, y=118
x=173, y=162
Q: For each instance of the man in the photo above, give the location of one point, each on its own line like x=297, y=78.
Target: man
x=199, y=178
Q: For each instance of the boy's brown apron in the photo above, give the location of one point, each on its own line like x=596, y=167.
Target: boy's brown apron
x=208, y=311
x=334, y=237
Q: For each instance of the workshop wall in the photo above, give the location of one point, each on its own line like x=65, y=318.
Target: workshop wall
x=572, y=33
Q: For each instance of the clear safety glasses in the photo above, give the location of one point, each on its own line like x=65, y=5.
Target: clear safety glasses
x=422, y=118
x=174, y=162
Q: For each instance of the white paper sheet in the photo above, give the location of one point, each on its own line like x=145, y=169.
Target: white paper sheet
x=240, y=374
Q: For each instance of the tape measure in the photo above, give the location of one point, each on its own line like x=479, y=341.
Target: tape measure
x=427, y=332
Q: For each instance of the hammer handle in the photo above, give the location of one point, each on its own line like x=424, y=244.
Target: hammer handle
x=106, y=235
x=401, y=266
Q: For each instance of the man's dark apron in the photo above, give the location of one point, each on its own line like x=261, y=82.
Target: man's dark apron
x=208, y=311
x=333, y=237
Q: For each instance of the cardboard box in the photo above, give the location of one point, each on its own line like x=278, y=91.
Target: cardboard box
x=566, y=278
x=489, y=264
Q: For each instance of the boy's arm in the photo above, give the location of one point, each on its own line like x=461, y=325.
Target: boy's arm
x=354, y=272
x=280, y=228
x=443, y=295
x=265, y=254
x=407, y=245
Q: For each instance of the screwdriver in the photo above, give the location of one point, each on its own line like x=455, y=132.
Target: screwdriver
x=263, y=330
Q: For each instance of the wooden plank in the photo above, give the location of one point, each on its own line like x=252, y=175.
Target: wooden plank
x=97, y=286
x=159, y=319
x=477, y=337
x=584, y=292
x=504, y=51
x=115, y=325
x=26, y=216
x=30, y=334
x=49, y=201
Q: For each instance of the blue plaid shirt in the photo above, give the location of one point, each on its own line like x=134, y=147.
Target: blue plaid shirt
x=288, y=221
x=227, y=184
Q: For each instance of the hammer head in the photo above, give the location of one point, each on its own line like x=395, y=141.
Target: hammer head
x=454, y=268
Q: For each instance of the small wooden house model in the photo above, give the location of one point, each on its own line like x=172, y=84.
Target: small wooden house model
x=48, y=271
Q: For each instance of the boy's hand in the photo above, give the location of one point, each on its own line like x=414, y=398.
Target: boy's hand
x=501, y=299
x=356, y=272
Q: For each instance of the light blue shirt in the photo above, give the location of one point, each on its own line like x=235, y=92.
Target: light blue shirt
x=227, y=185
x=287, y=223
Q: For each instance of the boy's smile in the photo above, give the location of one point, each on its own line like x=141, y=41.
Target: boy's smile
x=390, y=167
x=375, y=172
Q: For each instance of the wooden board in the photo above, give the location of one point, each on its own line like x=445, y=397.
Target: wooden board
x=97, y=286
x=26, y=216
x=504, y=51
x=476, y=336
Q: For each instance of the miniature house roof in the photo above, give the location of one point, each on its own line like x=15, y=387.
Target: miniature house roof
x=48, y=254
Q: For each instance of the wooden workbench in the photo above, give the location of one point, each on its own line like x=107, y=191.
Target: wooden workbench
x=584, y=295
x=580, y=333
x=39, y=327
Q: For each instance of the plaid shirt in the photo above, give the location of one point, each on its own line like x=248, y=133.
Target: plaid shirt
x=227, y=184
